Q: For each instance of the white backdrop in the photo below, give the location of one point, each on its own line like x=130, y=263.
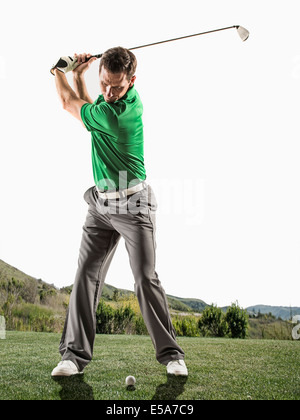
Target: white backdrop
x=221, y=142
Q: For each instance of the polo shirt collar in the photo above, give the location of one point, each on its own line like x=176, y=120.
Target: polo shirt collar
x=129, y=94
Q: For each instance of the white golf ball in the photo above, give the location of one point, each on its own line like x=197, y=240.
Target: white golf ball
x=130, y=381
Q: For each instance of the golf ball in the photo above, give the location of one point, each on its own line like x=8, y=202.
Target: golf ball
x=130, y=380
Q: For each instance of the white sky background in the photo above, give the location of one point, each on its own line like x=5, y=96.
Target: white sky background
x=221, y=142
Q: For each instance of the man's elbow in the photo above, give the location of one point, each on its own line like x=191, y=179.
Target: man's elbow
x=66, y=103
x=73, y=106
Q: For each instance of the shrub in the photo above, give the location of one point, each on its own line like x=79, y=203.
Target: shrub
x=104, y=318
x=139, y=325
x=213, y=322
x=122, y=318
x=113, y=321
x=30, y=317
x=186, y=326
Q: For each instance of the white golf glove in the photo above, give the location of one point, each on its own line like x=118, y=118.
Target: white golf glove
x=65, y=64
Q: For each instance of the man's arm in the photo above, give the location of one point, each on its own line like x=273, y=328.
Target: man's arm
x=84, y=61
x=70, y=101
x=73, y=101
x=80, y=87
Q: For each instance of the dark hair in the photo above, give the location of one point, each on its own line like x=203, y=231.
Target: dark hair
x=119, y=60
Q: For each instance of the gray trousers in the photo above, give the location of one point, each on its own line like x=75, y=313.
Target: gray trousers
x=132, y=218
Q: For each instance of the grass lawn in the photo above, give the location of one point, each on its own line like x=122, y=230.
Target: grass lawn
x=218, y=369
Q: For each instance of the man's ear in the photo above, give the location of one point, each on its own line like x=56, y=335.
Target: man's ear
x=132, y=81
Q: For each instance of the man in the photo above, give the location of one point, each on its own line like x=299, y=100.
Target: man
x=121, y=204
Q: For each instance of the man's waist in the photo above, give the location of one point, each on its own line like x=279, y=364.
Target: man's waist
x=118, y=194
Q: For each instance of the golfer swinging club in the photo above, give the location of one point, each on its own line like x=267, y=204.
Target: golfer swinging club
x=120, y=204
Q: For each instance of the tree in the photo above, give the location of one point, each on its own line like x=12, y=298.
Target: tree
x=237, y=321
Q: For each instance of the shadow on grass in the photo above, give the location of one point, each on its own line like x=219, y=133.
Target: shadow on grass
x=172, y=389
x=74, y=388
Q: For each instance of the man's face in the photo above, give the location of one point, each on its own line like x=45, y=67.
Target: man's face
x=114, y=85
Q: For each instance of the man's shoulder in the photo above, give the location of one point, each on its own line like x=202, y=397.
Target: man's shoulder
x=129, y=102
x=102, y=106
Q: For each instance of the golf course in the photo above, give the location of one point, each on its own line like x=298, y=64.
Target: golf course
x=219, y=369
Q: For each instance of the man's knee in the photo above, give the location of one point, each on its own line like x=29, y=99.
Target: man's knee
x=145, y=281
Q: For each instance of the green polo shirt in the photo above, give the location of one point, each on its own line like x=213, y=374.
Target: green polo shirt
x=117, y=141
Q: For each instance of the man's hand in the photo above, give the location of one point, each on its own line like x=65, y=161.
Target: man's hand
x=78, y=64
x=84, y=62
x=65, y=64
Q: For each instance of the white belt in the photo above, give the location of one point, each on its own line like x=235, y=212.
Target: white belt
x=121, y=193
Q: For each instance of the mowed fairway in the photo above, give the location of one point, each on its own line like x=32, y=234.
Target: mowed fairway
x=218, y=369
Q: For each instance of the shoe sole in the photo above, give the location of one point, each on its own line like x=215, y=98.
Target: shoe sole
x=66, y=374
x=177, y=374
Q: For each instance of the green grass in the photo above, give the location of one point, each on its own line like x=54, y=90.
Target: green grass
x=218, y=369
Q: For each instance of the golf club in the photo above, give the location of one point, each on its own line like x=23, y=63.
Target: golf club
x=243, y=33
x=68, y=63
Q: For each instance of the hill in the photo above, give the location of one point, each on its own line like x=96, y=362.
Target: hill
x=195, y=305
x=23, y=285
x=8, y=272
x=283, y=312
x=36, y=289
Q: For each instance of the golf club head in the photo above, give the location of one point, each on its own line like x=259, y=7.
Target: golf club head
x=243, y=33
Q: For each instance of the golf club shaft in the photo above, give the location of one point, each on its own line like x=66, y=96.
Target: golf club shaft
x=176, y=39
